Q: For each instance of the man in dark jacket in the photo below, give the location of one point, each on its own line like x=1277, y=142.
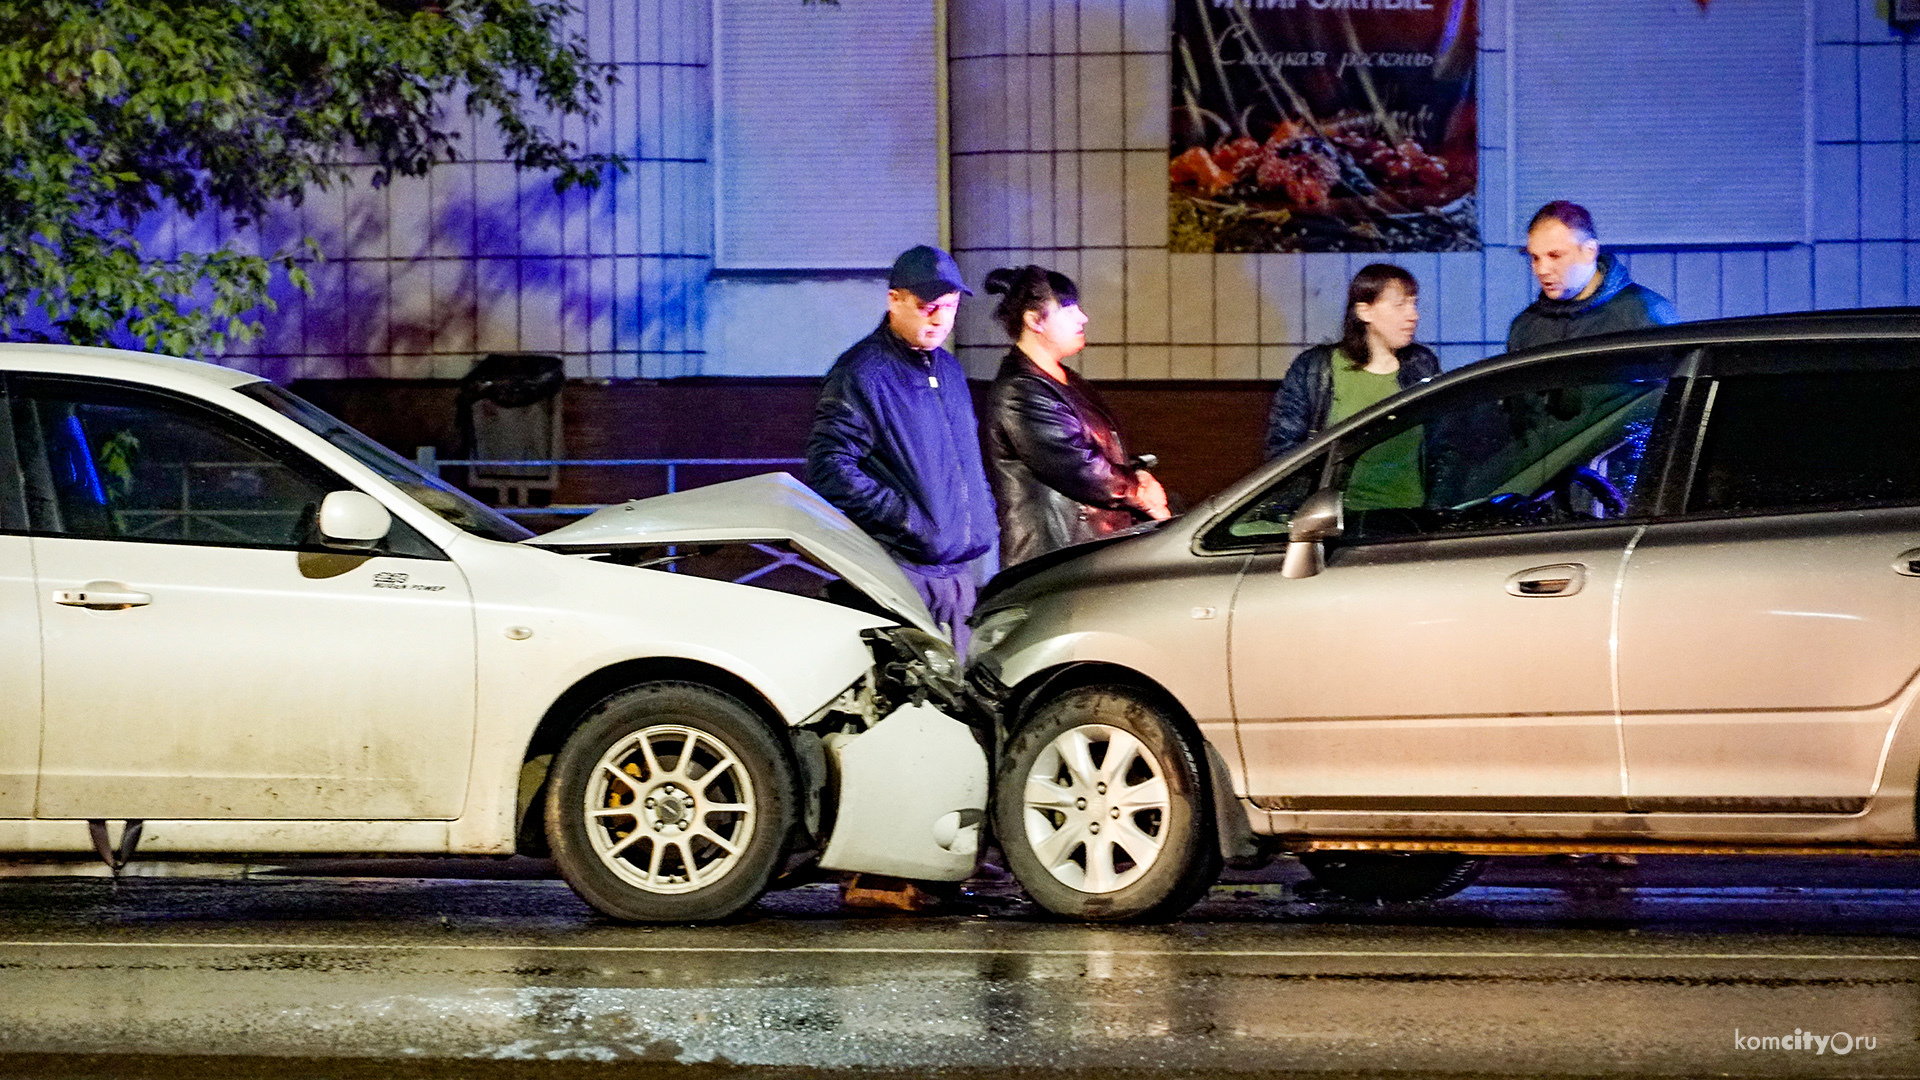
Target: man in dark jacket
x=895, y=445
x=1582, y=290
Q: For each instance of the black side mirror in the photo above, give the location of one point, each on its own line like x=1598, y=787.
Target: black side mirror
x=1321, y=517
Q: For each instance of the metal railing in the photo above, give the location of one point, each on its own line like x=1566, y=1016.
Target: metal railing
x=431, y=462
x=215, y=524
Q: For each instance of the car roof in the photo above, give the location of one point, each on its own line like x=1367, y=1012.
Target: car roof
x=126, y=364
x=1889, y=322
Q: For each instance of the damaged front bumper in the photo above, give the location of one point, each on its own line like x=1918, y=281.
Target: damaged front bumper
x=917, y=667
x=905, y=752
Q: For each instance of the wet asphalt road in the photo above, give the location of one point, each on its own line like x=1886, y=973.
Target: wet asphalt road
x=1540, y=969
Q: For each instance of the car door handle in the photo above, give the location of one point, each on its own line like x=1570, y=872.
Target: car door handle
x=1560, y=579
x=102, y=596
x=1907, y=562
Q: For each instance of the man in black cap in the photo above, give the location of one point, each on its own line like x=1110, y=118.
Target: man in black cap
x=896, y=447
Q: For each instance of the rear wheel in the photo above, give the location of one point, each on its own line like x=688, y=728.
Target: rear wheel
x=672, y=802
x=1101, y=810
x=1393, y=875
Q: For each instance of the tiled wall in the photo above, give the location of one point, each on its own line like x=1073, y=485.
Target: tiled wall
x=423, y=276
x=1060, y=137
x=1866, y=174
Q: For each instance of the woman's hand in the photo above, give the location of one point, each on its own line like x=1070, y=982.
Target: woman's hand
x=1149, y=497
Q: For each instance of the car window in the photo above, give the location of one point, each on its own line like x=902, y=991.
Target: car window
x=109, y=462
x=13, y=487
x=1530, y=449
x=1808, y=441
x=1266, y=519
x=437, y=495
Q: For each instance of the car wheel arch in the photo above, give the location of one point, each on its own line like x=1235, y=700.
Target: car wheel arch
x=568, y=710
x=1045, y=685
x=1235, y=832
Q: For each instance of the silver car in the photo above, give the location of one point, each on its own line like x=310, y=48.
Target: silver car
x=1652, y=592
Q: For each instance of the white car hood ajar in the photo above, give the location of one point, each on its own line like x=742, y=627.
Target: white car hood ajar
x=766, y=508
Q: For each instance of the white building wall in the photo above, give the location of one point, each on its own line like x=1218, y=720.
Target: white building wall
x=423, y=277
x=828, y=156
x=1059, y=142
x=1060, y=152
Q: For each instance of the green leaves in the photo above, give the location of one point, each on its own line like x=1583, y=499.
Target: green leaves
x=113, y=110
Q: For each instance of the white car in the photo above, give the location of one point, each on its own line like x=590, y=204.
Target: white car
x=238, y=626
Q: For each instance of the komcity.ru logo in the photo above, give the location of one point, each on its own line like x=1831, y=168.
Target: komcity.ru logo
x=1839, y=1042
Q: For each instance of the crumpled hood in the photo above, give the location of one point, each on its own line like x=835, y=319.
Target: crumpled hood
x=769, y=507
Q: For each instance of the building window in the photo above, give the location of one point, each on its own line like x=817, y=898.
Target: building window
x=1675, y=123
x=827, y=132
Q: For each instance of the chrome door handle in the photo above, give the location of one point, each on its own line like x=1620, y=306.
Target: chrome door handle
x=102, y=596
x=1559, y=579
x=1907, y=562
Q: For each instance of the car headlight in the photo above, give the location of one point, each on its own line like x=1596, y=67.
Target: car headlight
x=994, y=628
x=918, y=667
x=932, y=651
x=922, y=657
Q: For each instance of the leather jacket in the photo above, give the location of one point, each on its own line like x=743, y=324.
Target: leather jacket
x=1056, y=460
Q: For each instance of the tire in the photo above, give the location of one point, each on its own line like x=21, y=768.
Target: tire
x=1401, y=877
x=714, y=795
x=1146, y=855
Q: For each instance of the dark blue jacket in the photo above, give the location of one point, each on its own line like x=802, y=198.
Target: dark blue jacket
x=896, y=447
x=1305, y=398
x=1619, y=304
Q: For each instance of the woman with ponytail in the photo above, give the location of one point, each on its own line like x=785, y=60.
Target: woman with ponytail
x=1060, y=472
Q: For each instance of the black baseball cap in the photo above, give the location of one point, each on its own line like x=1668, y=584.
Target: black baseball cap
x=928, y=273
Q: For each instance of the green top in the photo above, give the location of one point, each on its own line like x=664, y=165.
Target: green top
x=1389, y=474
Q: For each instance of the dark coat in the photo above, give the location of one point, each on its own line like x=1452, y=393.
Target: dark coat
x=1305, y=398
x=1619, y=304
x=895, y=446
x=1060, y=471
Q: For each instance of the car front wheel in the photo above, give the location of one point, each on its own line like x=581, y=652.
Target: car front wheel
x=1100, y=807
x=672, y=802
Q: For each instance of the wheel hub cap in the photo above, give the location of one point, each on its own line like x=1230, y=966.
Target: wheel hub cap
x=1096, y=808
x=671, y=806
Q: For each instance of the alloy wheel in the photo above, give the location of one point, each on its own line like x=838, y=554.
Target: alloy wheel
x=670, y=809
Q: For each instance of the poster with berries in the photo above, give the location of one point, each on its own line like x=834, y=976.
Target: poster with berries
x=1323, y=125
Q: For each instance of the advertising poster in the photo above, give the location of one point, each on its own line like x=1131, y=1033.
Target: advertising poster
x=1323, y=125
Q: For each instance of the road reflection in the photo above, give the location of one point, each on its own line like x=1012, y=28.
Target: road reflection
x=1538, y=969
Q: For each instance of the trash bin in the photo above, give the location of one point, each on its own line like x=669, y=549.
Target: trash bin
x=509, y=410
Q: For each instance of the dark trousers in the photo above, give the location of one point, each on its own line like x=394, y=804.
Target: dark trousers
x=949, y=592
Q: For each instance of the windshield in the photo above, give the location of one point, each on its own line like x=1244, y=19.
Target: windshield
x=429, y=491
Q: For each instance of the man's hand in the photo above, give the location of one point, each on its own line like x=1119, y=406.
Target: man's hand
x=1149, y=497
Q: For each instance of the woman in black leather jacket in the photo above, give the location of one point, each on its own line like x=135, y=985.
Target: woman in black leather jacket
x=1060, y=473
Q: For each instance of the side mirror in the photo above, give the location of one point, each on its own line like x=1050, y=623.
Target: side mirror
x=1320, y=518
x=353, y=519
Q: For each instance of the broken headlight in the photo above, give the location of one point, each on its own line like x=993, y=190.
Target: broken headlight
x=994, y=628
x=915, y=666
